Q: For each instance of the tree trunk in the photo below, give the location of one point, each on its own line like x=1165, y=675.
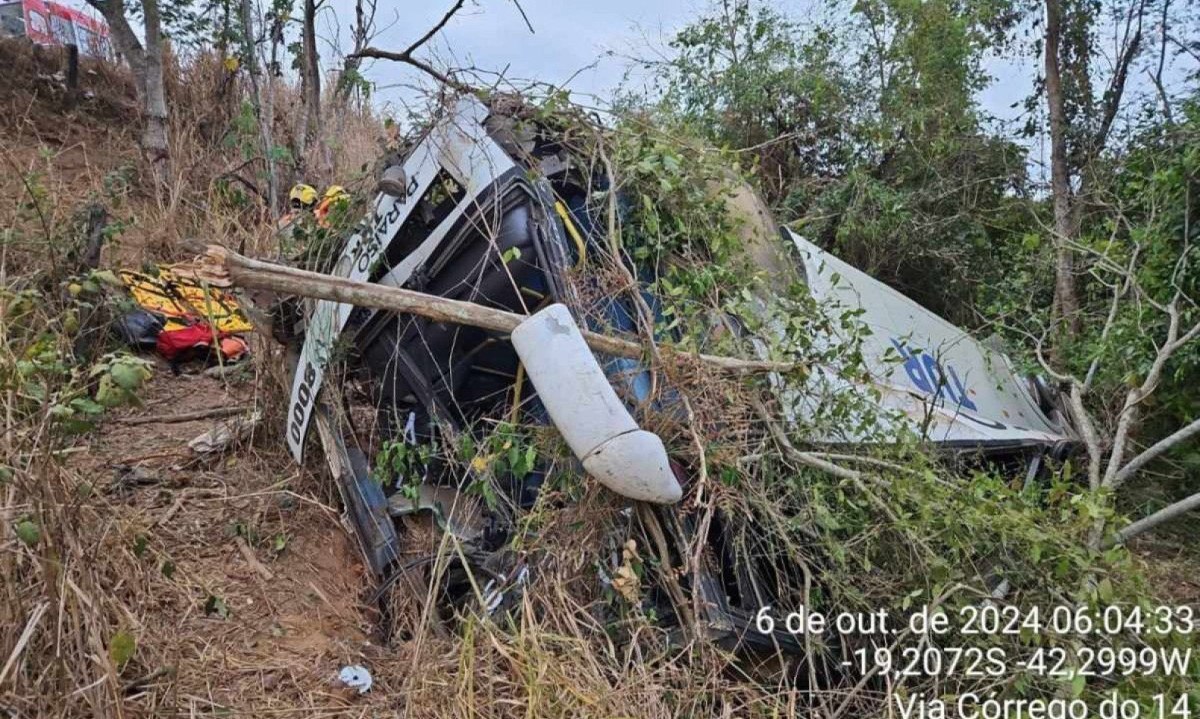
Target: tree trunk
x=364, y=27
x=154, y=135
x=256, y=98
x=266, y=111
x=124, y=41
x=227, y=88
x=347, y=82
x=310, y=87
x=1066, y=303
x=146, y=65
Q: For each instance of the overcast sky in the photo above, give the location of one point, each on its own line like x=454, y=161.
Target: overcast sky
x=587, y=43
x=590, y=44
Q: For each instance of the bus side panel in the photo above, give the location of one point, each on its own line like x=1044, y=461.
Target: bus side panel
x=37, y=22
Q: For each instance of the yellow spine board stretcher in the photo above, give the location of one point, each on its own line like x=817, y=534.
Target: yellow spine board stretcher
x=178, y=298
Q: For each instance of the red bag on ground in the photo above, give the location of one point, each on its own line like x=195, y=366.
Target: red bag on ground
x=186, y=342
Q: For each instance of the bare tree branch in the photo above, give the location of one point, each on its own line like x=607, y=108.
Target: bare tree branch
x=434, y=30
x=1157, y=76
x=1120, y=289
x=524, y=17
x=1116, y=87
x=406, y=56
x=421, y=65
x=1162, y=516
x=1087, y=431
x=261, y=101
x=1184, y=47
x=1156, y=450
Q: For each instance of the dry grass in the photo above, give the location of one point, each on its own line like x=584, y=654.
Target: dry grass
x=239, y=587
x=235, y=579
x=162, y=585
x=133, y=537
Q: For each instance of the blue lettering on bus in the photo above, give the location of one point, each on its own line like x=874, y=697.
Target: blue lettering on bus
x=932, y=377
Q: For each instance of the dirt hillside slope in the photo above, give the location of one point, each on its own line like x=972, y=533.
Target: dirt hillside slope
x=230, y=581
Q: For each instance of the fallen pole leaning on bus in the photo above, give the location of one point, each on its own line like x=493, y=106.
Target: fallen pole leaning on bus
x=223, y=267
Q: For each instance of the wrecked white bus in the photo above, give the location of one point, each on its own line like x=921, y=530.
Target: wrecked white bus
x=496, y=212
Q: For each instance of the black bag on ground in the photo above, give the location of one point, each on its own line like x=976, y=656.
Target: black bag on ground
x=139, y=328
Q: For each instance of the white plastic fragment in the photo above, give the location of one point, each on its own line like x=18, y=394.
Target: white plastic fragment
x=356, y=677
x=583, y=406
x=635, y=465
x=224, y=434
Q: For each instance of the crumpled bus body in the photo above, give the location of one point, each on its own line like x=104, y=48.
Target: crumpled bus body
x=495, y=216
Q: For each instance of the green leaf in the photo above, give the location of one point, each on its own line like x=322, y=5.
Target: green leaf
x=36, y=390
x=61, y=411
x=127, y=376
x=107, y=277
x=121, y=648
x=106, y=393
x=1105, y=591
x=216, y=605
x=87, y=406
x=28, y=532
x=512, y=253
x=824, y=517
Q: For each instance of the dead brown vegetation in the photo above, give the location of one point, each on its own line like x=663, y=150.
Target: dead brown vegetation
x=136, y=540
